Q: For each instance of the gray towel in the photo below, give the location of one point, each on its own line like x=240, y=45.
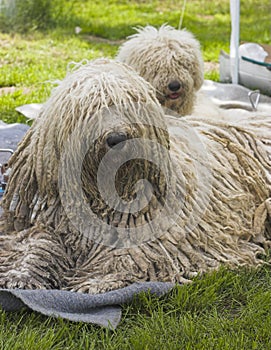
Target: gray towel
x=102, y=309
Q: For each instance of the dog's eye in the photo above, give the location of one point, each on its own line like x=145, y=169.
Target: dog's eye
x=116, y=140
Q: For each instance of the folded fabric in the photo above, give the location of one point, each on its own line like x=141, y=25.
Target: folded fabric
x=102, y=309
x=11, y=134
x=30, y=111
x=221, y=92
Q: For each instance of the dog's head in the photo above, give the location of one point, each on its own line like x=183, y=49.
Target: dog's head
x=170, y=60
x=101, y=146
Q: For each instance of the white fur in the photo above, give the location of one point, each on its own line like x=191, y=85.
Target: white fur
x=164, y=55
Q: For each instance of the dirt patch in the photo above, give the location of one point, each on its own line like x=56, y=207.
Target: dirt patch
x=206, y=17
x=97, y=39
x=11, y=89
x=7, y=90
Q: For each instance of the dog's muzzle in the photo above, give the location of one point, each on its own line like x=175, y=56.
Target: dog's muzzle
x=174, y=85
x=175, y=88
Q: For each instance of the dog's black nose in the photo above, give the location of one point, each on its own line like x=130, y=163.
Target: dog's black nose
x=116, y=140
x=174, y=85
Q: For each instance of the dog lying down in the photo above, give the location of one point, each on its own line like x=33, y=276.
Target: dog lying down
x=106, y=190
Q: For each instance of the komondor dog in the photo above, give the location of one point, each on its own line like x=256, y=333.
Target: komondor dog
x=105, y=190
x=170, y=60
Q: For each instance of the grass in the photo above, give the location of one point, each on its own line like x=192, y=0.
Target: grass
x=34, y=61
x=30, y=61
x=221, y=310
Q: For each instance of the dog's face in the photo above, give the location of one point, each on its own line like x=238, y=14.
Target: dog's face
x=177, y=82
x=103, y=166
x=128, y=147
x=125, y=174
x=114, y=150
x=171, y=61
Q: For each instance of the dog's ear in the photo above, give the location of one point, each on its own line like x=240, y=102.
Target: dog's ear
x=198, y=70
x=191, y=46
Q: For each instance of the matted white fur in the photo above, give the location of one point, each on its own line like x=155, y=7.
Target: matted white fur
x=208, y=202
x=163, y=56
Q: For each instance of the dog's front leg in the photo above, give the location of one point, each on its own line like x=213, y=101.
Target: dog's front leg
x=103, y=271
x=32, y=259
x=94, y=285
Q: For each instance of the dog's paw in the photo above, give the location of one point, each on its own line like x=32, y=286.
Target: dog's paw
x=17, y=279
x=96, y=286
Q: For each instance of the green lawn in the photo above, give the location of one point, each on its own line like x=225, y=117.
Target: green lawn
x=222, y=310
x=32, y=61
